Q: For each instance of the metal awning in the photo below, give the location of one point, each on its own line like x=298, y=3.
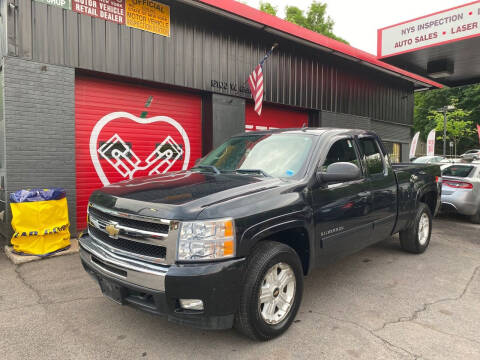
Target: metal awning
x=444, y=46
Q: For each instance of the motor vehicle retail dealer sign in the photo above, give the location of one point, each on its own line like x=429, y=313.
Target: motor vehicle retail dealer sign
x=110, y=10
x=443, y=27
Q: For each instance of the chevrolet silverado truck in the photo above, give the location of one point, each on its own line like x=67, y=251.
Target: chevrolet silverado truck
x=228, y=242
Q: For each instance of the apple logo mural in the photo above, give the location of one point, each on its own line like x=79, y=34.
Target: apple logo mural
x=120, y=155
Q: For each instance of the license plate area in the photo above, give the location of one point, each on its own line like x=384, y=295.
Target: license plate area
x=112, y=291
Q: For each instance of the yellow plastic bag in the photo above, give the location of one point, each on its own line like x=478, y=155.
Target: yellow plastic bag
x=40, y=227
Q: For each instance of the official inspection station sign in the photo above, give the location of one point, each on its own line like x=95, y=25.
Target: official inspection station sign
x=148, y=15
x=455, y=24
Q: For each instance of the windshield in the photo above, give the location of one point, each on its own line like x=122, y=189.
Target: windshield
x=277, y=155
x=458, y=170
x=428, y=159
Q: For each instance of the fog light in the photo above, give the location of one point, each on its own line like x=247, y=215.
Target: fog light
x=191, y=304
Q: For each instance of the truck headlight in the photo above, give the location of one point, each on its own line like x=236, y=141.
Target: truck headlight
x=206, y=240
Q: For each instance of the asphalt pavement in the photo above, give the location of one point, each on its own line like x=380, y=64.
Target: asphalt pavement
x=381, y=303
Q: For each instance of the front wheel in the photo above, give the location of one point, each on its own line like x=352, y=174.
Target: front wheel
x=272, y=291
x=416, y=237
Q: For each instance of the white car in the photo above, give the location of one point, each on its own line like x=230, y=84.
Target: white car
x=471, y=155
x=428, y=159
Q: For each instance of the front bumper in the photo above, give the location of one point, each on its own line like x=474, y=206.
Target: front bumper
x=158, y=288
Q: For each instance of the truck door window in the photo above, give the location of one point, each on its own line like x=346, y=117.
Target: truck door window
x=373, y=158
x=341, y=151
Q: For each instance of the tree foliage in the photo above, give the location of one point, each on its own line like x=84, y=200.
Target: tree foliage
x=467, y=102
x=315, y=18
x=268, y=8
x=458, y=127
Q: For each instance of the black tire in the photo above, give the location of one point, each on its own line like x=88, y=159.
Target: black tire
x=475, y=218
x=248, y=319
x=410, y=239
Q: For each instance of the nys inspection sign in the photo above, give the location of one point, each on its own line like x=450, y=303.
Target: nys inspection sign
x=446, y=26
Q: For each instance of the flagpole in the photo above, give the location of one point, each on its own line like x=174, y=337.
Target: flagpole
x=269, y=52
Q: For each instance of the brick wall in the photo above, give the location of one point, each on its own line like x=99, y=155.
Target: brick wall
x=39, y=112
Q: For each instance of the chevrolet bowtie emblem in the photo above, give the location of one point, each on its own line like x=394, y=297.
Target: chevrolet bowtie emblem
x=112, y=230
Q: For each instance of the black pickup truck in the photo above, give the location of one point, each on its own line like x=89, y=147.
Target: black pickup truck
x=227, y=243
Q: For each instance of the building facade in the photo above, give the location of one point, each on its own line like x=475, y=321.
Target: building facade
x=86, y=101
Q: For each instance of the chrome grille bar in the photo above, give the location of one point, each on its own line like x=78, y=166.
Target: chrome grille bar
x=124, y=228
x=118, y=251
x=129, y=233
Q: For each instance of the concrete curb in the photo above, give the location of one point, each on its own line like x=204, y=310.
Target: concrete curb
x=22, y=259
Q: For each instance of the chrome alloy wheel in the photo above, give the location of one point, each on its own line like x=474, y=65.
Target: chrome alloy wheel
x=423, y=229
x=277, y=293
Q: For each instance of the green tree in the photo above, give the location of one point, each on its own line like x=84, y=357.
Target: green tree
x=315, y=19
x=458, y=125
x=268, y=8
x=294, y=15
x=464, y=97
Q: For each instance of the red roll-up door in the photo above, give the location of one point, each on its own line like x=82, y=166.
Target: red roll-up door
x=125, y=130
x=274, y=118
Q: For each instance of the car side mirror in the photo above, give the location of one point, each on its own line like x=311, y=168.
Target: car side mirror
x=340, y=172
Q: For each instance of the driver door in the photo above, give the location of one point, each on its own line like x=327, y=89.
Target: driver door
x=341, y=210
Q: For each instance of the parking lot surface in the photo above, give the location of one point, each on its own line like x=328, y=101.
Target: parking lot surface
x=381, y=303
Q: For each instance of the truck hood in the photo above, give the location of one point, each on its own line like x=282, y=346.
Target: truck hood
x=180, y=195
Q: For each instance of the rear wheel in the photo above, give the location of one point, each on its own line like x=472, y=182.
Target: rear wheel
x=416, y=237
x=272, y=291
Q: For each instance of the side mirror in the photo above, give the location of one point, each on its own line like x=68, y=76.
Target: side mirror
x=340, y=172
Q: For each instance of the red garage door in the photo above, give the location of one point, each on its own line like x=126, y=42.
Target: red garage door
x=125, y=131
x=274, y=118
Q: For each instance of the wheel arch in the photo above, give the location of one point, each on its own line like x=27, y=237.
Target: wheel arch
x=295, y=234
x=428, y=196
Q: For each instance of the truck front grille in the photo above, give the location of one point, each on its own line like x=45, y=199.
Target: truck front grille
x=136, y=224
x=134, y=247
x=132, y=236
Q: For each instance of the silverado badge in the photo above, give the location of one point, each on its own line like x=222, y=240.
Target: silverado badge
x=112, y=230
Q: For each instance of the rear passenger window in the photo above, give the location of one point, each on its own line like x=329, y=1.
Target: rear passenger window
x=341, y=151
x=373, y=158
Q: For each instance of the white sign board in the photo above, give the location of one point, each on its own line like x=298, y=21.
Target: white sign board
x=443, y=27
x=413, y=145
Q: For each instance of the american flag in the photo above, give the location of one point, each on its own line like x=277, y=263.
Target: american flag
x=255, y=80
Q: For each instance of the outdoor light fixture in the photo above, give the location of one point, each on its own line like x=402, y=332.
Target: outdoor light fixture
x=440, y=69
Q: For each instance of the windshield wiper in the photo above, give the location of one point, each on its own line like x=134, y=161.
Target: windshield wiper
x=208, y=167
x=252, y=171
